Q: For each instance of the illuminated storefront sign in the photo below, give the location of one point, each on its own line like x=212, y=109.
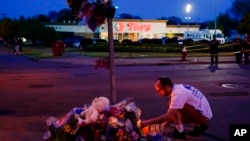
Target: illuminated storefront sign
x=133, y=27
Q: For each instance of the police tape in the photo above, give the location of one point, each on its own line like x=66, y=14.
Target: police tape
x=188, y=48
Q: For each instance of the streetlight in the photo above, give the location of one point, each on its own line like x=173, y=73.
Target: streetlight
x=116, y=9
x=110, y=15
x=188, y=10
x=116, y=17
x=215, y=14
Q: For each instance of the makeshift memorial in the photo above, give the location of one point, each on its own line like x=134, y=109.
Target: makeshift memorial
x=91, y=12
x=100, y=122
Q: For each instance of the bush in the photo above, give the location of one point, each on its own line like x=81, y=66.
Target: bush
x=198, y=47
x=97, y=47
x=126, y=42
x=187, y=41
x=172, y=40
x=86, y=42
x=156, y=41
x=145, y=41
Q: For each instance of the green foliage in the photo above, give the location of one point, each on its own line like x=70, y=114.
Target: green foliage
x=30, y=28
x=6, y=25
x=240, y=7
x=64, y=15
x=103, y=47
x=245, y=24
x=53, y=36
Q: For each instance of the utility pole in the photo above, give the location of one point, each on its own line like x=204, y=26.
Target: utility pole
x=110, y=15
x=215, y=16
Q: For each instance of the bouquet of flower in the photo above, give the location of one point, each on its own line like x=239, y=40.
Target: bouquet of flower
x=103, y=63
x=92, y=12
x=64, y=128
x=117, y=123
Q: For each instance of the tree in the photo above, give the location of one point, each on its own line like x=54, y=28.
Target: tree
x=65, y=15
x=125, y=16
x=226, y=23
x=5, y=28
x=245, y=24
x=240, y=8
x=128, y=16
x=52, y=15
x=39, y=33
x=174, y=20
x=203, y=25
x=241, y=13
x=43, y=18
x=137, y=17
x=223, y=22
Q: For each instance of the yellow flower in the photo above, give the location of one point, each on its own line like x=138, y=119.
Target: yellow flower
x=67, y=128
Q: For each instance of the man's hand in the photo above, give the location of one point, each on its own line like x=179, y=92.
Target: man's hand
x=144, y=123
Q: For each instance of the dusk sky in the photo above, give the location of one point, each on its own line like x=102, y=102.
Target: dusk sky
x=147, y=9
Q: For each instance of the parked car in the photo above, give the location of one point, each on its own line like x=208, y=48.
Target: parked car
x=187, y=41
x=86, y=42
x=74, y=41
x=96, y=40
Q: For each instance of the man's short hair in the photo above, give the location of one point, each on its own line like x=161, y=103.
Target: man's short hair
x=164, y=81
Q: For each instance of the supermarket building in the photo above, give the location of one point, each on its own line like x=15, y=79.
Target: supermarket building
x=133, y=29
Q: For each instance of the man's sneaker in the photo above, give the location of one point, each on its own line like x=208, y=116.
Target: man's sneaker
x=178, y=135
x=216, y=66
x=198, y=130
x=210, y=66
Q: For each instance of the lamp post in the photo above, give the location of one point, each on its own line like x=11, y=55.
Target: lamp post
x=116, y=9
x=188, y=10
x=215, y=16
x=116, y=17
x=110, y=15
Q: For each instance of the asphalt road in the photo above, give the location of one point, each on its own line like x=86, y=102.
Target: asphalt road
x=33, y=90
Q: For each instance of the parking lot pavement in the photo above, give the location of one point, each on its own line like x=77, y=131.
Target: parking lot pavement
x=212, y=134
x=86, y=60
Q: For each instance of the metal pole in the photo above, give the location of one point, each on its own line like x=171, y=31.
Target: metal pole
x=215, y=18
x=111, y=55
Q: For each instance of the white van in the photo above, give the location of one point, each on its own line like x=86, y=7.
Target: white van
x=205, y=34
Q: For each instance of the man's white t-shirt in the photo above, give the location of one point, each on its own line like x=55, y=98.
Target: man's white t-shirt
x=182, y=93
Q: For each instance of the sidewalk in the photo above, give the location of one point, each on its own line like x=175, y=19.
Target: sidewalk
x=36, y=130
x=86, y=60
x=74, y=58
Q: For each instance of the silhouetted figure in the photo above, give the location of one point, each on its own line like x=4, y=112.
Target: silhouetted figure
x=214, y=51
x=17, y=45
x=246, y=48
x=237, y=45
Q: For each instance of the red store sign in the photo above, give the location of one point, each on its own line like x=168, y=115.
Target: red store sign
x=134, y=27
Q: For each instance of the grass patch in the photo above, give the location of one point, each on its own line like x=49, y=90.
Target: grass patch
x=46, y=52
x=131, y=55
x=37, y=53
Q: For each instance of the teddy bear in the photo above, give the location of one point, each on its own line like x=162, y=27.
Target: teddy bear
x=91, y=114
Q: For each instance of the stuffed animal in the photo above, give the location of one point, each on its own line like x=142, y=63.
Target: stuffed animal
x=91, y=114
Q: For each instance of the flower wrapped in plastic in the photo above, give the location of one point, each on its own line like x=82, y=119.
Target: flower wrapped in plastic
x=64, y=128
x=91, y=12
x=122, y=121
x=116, y=123
x=102, y=63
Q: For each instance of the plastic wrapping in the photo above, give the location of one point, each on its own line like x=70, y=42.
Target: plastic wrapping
x=118, y=123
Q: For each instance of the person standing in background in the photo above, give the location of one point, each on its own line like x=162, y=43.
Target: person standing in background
x=15, y=45
x=20, y=44
x=237, y=45
x=246, y=48
x=214, y=51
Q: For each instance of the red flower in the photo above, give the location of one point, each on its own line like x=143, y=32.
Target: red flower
x=93, y=12
x=103, y=63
